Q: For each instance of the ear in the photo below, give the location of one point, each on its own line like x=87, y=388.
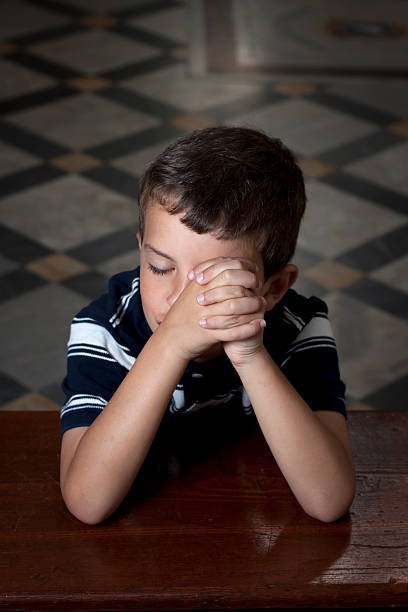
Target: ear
x=139, y=240
x=277, y=285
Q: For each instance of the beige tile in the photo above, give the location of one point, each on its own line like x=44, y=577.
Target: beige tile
x=88, y=83
x=75, y=162
x=7, y=48
x=358, y=406
x=191, y=121
x=400, y=127
x=179, y=53
x=31, y=401
x=56, y=267
x=98, y=21
x=314, y=168
x=295, y=89
x=333, y=275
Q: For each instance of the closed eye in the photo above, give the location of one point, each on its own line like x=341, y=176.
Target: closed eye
x=158, y=270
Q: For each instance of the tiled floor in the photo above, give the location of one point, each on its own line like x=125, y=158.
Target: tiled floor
x=91, y=90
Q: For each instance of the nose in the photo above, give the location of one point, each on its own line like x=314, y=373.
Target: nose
x=176, y=289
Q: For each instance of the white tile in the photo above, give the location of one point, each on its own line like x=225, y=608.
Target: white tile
x=306, y=127
x=170, y=23
x=127, y=261
x=173, y=86
x=18, y=18
x=35, y=327
x=13, y=159
x=336, y=222
x=391, y=97
x=94, y=51
x=372, y=345
x=387, y=168
x=136, y=163
x=394, y=274
x=83, y=121
x=18, y=81
x=67, y=212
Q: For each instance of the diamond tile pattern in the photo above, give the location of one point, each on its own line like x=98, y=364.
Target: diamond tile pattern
x=92, y=90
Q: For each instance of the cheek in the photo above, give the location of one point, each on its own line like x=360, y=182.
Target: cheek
x=151, y=293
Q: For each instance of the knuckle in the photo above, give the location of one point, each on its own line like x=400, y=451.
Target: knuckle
x=232, y=307
x=226, y=276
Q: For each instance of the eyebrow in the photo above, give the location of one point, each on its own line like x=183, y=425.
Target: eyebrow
x=149, y=246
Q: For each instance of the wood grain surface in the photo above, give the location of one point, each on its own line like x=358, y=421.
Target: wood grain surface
x=210, y=524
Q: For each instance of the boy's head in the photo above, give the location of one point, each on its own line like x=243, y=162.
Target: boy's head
x=231, y=182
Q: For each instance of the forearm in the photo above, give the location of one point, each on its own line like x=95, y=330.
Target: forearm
x=112, y=450
x=313, y=461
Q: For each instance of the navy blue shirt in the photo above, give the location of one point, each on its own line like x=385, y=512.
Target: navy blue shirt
x=107, y=336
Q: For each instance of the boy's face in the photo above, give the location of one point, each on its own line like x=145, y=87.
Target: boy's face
x=169, y=251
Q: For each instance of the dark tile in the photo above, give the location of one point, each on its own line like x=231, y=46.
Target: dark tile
x=145, y=8
x=38, y=146
x=115, y=179
x=18, y=282
x=54, y=393
x=10, y=389
x=31, y=177
x=48, y=34
x=362, y=147
x=378, y=252
x=381, y=296
x=391, y=397
x=105, y=248
x=146, y=37
x=223, y=112
x=28, y=101
x=356, y=109
x=369, y=191
x=20, y=248
x=45, y=66
x=139, y=102
x=90, y=284
x=132, y=70
x=134, y=142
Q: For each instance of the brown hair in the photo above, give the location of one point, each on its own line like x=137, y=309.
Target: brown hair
x=231, y=182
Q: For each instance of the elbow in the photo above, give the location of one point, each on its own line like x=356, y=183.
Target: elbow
x=329, y=509
x=83, y=509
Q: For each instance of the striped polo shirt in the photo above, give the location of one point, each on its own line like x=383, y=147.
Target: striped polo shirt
x=107, y=336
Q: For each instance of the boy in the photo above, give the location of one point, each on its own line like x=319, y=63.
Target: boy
x=209, y=318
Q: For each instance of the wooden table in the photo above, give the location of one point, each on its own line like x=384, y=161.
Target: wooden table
x=206, y=526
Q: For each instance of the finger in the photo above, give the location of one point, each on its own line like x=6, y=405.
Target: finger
x=207, y=270
x=231, y=277
x=227, y=321
x=242, y=332
x=237, y=306
x=220, y=294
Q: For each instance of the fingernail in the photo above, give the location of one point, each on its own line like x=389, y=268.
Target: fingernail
x=263, y=300
x=200, y=277
x=203, y=322
x=200, y=298
x=262, y=323
x=191, y=275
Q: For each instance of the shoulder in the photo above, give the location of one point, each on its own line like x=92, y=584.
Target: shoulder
x=115, y=317
x=297, y=325
x=299, y=310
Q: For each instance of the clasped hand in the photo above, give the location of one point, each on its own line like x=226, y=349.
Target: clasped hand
x=223, y=303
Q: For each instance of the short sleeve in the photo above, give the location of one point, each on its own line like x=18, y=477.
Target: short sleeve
x=311, y=365
x=96, y=365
